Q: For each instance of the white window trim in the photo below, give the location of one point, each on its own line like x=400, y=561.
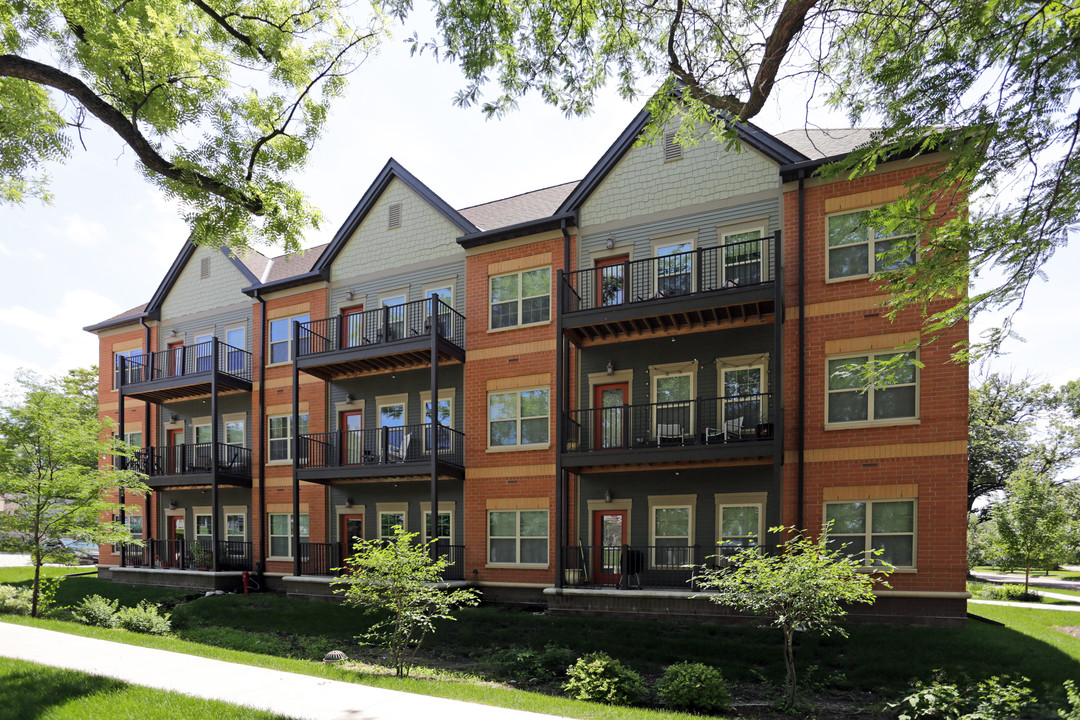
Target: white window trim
x=291, y=341
x=241, y=326
x=871, y=239
x=723, y=232
x=517, y=536
x=340, y=510
x=657, y=502
x=289, y=515
x=870, y=422
x=723, y=500
x=690, y=237
x=869, y=535
x=448, y=394
x=402, y=292
x=382, y=401
x=444, y=507
x=450, y=283
x=198, y=512
x=116, y=364
x=550, y=295
x=676, y=369
x=518, y=446
x=742, y=362
x=391, y=508
x=196, y=423
x=288, y=460
x=234, y=510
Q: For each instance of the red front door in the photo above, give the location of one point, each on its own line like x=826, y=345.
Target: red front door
x=610, y=415
x=609, y=537
x=351, y=331
x=174, y=463
x=611, y=280
x=175, y=365
x=352, y=529
x=174, y=548
x=352, y=437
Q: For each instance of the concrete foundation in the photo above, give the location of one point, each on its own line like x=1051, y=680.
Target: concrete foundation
x=183, y=579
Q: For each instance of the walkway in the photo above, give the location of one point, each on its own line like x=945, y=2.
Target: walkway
x=1037, y=581
x=297, y=696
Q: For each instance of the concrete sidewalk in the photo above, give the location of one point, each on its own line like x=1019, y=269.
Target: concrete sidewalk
x=297, y=696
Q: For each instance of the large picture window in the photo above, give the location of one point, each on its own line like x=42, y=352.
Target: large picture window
x=518, y=418
x=849, y=402
x=518, y=537
x=281, y=532
x=280, y=431
x=522, y=298
x=281, y=349
x=856, y=249
x=857, y=528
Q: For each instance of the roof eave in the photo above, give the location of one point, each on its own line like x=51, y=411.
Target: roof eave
x=286, y=283
x=118, y=322
x=510, y=232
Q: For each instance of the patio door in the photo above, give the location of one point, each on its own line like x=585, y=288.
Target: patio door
x=351, y=425
x=174, y=462
x=743, y=400
x=174, y=550
x=609, y=415
x=352, y=529
x=611, y=281
x=174, y=367
x=609, y=536
x=352, y=331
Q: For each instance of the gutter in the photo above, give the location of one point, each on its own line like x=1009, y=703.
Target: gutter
x=529, y=227
x=286, y=283
x=146, y=429
x=262, y=435
x=801, y=475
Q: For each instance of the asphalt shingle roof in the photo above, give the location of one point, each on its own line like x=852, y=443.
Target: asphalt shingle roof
x=285, y=266
x=519, y=208
x=819, y=143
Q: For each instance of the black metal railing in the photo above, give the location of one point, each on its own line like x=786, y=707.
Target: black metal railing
x=192, y=459
x=734, y=265
x=188, y=555
x=381, y=446
x=705, y=421
x=328, y=559
x=381, y=325
x=635, y=566
x=187, y=360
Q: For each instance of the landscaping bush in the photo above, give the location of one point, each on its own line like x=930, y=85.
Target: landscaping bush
x=1009, y=592
x=144, y=618
x=527, y=665
x=996, y=698
x=14, y=600
x=1072, y=696
x=601, y=678
x=694, y=687
x=97, y=611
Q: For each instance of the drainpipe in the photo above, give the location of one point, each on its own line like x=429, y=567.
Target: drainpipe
x=800, y=484
x=148, y=515
x=262, y=435
x=562, y=389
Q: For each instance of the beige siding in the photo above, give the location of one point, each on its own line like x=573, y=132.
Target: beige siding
x=642, y=183
x=424, y=235
x=194, y=294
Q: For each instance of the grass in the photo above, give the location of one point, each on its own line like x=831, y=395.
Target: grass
x=1030, y=640
x=35, y=692
x=17, y=575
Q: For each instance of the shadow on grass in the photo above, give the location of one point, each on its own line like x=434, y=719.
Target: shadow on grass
x=30, y=692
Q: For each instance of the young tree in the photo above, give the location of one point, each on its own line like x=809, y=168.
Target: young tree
x=50, y=473
x=401, y=577
x=804, y=587
x=1031, y=521
x=220, y=100
x=922, y=68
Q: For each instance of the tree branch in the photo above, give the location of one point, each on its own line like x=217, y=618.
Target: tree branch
x=213, y=15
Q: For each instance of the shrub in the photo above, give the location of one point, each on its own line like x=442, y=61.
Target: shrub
x=601, y=678
x=528, y=665
x=996, y=698
x=14, y=600
x=1072, y=695
x=694, y=687
x=1009, y=592
x=97, y=611
x=144, y=618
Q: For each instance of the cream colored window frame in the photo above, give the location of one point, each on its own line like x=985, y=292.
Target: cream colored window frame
x=520, y=299
x=871, y=240
x=518, y=419
x=870, y=421
x=869, y=535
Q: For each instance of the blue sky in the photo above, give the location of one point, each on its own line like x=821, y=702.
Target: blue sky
x=108, y=238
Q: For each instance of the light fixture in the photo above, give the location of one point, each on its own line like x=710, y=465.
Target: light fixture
x=348, y=502
x=173, y=417
x=173, y=332
x=610, y=244
x=173, y=504
x=608, y=495
x=349, y=398
x=349, y=295
x=610, y=368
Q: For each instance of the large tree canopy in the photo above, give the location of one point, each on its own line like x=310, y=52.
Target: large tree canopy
x=220, y=100
x=992, y=82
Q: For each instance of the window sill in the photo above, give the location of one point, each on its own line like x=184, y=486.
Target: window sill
x=895, y=571
x=872, y=424
x=278, y=463
x=518, y=448
x=847, y=278
x=275, y=558
x=518, y=566
x=492, y=330
x=287, y=363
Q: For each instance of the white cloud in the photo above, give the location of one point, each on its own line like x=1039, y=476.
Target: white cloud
x=54, y=342
x=82, y=232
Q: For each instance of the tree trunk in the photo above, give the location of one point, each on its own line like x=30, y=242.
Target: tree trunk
x=37, y=583
x=1027, y=573
x=789, y=662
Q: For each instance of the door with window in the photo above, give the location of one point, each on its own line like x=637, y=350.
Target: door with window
x=743, y=400
x=352, y=529
x=174, y=366
x=743, y=253
x=610, y=275
x=352, y=331
x=235, y=357
x=609, y=537
x=674, y=269
x=610, y=415
x=174, y=552
x=394, y=317
x=392, y=432
x=204, y=348
x=352, y=437
x=673, y=409
x=174, y=457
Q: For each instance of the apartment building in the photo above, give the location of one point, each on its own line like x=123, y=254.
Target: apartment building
x=579, y=392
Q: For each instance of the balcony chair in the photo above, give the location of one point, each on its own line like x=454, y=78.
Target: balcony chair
x=633, y=563
x=401, y=452
x=670, y=434
x=732, y=430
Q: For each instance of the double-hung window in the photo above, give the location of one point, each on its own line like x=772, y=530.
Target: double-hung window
x=856, y=249
x=518, y=537
x=280, y=431
x=446, y=420
x=849, y=401
x=674, y=269
x=861, y=528
x=742, y=251
x=235, y=526
x=281, y=339
x=133, y=367
x=671, y=535
x=740, y=523
x=522, y=298
x=281, y=533
x=518, y=417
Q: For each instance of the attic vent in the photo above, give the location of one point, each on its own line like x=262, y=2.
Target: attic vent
x=204, y=268
x=672, y=150
x=394, y=216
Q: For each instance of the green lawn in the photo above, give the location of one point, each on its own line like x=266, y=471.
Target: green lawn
x=35, y=692
x=15, y=575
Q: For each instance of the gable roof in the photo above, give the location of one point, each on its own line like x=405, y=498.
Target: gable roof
x=153, y=308
x=521, y=208
x=124, y=318
x=821, y=143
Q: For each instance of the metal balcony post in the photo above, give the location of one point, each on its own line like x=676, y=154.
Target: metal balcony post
x=215, y=520
x=122, y=364
x=296, y=448
x=699, y=272
x=434, y=533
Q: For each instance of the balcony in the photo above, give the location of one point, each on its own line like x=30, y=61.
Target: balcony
x=380, y=452
x=326, y=559
x=386, y=339
x=233, y=555
x=706, y=428
x=637, y=567
x=672, y=293
x=192, y=464
x=185, y=372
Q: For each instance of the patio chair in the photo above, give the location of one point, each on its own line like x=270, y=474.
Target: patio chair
x=669, y=434
x=400, y=453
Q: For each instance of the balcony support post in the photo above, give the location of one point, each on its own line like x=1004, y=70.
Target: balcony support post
x=215, y=520
x=776, y=414
x=295, y=442
x=561, y=390
x=433, y=533
x=122, y=365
